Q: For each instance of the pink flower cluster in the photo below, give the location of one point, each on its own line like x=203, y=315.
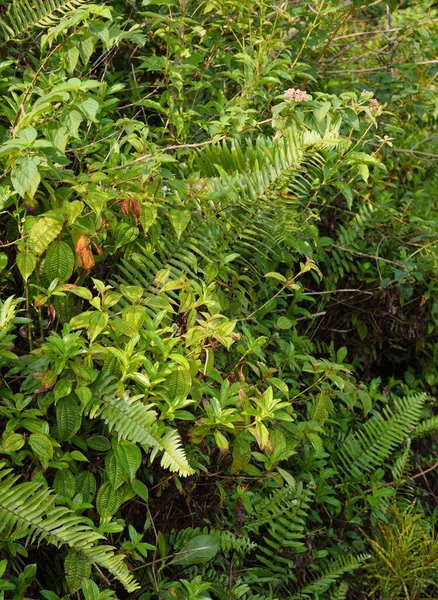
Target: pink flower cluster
x=367, y=94
x=297, y=95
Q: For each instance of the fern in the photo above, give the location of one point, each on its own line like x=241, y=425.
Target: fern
x=370, y=447
x=241, y=211
x=280, y=518
x=427, y=426
x=327, y=575
x=134, y=421
x=27, y=509
x=348, y=236
x=229, y=542
x=22, y=15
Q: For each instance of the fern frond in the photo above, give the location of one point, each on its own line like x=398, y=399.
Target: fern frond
x=349, y=237
x=242, y=211
x=327, y=575
x=28, y=509
x=22, y=15
x=281, y=520
x=134, y=421
x=427, y=426
x=401, y=465
x=370, y=447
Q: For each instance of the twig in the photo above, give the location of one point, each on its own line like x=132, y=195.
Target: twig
x=140, y=159
x=337, y=292
x=380, y=31
x=357, y=253
x=421, y=473
x=385, y=68
x=32, y=83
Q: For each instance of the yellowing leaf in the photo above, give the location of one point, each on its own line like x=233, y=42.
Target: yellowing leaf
x=179, y=219
x=43, y=233
x=26, y=263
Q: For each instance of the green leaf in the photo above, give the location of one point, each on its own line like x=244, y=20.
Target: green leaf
x=179, y=219
x=65, y=484
x=42, y=234
x=68, y=418
x=274, y=275
x=141, y=490
x=59, y=262
x=241, y=454
x=3, y=261
x=108, y=500
x=114, y=470
x=26, y=263
x=283, y=323
x=77, y=291
x=12, y=443
x=62, y=388
x=125, y=234
x=287, y=477
x=41, y=445
x=365, y=400
x=77, y=569
x=179, y=383
x=96, y=324
x=148, y=215
x=129, y=456
x=199, y=550
x=98, y=442
x=86, y=485
x=89, y=108
x=25, y=176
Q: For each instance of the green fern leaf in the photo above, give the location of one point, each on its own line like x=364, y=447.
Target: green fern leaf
x=22, y=15
x=370, y=447
x=136, y=422
x=28, y=509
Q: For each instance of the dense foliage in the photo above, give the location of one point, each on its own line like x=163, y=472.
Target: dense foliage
x=219, y=308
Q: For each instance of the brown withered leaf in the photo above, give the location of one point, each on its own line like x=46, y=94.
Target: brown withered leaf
x=83, y=250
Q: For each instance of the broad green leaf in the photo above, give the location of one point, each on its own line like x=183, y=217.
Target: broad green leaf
x=98, y=442
x=68, y=418
x=179, y=219
x=114, y=470
x=81, y=321
x=125, y=234
x=43, y=233
x=3, y=261
x=41, y=445
x=62, y=388
x=77, y=570
x=179, y=383
x=89, y=108
x=72, y=121
x=77, y=291
x=59, y=262
x=108, y=500
x=65, y=483
x=148, y=214
x=283, y=323
x=26, y=263
x=25, y=176
x=129, y=456
x=12, y=442
x=96, y=324
x=86, y=485
x=199, y=550
x=274, y=275
x=241, y=454
x=287, y=477
x=141, y=490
